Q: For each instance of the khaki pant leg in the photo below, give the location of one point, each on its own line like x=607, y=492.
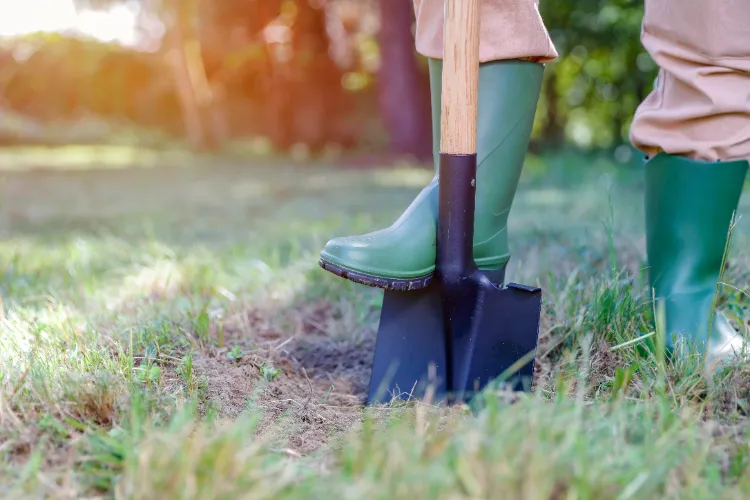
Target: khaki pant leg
x=700, y=106
x=509, y=29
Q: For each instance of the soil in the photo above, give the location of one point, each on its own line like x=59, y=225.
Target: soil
x=319, y=389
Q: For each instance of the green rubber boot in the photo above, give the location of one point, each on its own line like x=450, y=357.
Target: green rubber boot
x=689, y=208
x=402, y=256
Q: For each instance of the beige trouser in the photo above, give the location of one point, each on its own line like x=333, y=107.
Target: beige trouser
x=509, y=29
x=700, y=106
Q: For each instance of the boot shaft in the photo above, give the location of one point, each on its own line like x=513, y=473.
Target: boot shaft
x=508, y=96
x=689, y=207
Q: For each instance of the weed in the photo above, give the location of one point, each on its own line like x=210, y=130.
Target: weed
x=236, y=353
x=269, y=372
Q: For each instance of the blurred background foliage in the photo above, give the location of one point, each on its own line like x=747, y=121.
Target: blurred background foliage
x=300, y=76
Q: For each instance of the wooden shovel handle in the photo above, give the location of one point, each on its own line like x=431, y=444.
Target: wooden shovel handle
x=458, y=131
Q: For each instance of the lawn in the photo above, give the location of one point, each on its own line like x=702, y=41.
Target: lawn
x=167, y=333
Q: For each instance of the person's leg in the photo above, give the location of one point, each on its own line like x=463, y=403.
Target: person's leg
x=695, y=129
x=514, y=44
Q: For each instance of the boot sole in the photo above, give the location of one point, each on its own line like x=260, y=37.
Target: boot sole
x=391, y=284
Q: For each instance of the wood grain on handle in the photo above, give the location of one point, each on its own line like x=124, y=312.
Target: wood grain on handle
x=458, y=133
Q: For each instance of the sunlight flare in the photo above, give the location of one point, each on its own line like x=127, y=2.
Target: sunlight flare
x=116, y=24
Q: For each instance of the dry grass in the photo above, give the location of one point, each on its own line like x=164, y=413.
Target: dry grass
x=166, y=333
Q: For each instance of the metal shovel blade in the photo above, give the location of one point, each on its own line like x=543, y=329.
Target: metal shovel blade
x=415, y=351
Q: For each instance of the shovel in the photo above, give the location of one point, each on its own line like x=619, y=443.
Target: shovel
x=466, y=329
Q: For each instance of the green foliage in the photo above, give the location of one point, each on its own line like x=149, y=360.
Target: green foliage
x=91, y=79
x=603, y=72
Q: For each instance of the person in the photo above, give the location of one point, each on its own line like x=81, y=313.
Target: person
x=694, y=129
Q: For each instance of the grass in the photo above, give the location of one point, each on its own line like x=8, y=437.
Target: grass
x=166, y=333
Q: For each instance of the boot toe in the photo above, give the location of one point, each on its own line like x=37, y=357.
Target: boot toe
x=364, y=255
x=346, y=251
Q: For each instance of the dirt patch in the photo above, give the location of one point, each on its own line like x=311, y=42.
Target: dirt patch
x=328, y=360
x=261, y=324
x=229, y=385
x=309, y=388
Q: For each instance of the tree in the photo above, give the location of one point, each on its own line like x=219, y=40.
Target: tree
x=183, y=50
x=403, y=95
x=603, y=71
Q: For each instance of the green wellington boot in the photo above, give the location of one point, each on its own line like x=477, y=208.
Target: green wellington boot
x=689, y=209
x=402, y=256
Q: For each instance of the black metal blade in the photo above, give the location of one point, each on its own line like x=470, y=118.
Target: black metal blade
x=410, y=344
x=492, y=330
x=506, y=333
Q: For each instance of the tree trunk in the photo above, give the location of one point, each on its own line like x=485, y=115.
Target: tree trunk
x=553, y=133
x=196, y=96
x=618, y=123
x=403, y=99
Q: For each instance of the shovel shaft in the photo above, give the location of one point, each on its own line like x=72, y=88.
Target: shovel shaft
x=458, y=141
x=458, y=166
x=456, y=205
x=458, y=129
